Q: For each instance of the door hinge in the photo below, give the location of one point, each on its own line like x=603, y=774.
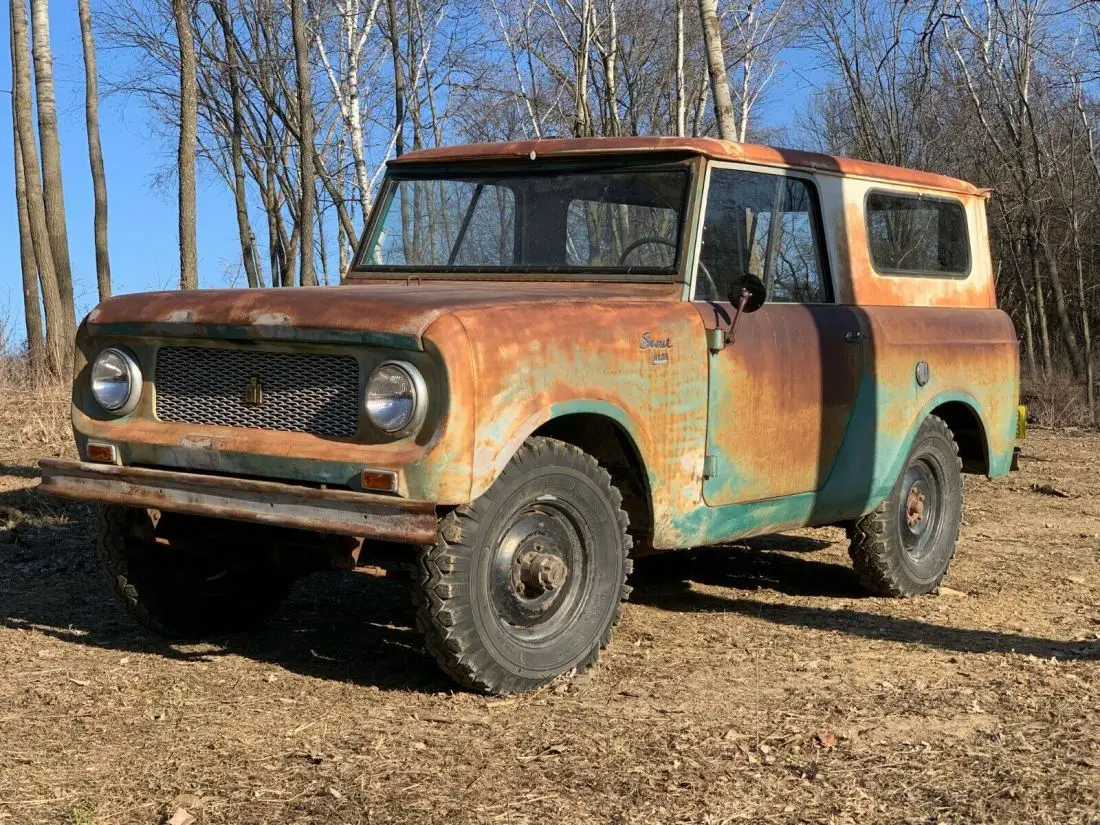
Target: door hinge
x=710, y=466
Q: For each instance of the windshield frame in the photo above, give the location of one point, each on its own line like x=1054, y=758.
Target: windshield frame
x=688, y=164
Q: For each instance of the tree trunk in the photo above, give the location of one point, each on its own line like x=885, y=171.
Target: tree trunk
x=1040, y=300
x=189, y=275
x=322, y=245
x=1029, y=335
x=52, y=189
x=1086, y=328
x=95, y=151
x=681, y=100
x=58, y=329
x=32, y=307
x=1060, y=309
x=716, y=68
x=581, y=122
x=612, y=68
x=240, y=195
x=307, y=277
x=398, y=82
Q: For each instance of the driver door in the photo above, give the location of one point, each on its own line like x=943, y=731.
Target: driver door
x=782, y=393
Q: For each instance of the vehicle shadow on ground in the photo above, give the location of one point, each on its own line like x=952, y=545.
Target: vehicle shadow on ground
x=359, y=628
x=341, y=626
x=757, y=564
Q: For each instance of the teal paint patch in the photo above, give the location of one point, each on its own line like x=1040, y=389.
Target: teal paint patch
x=256, y=333
x=713, y=525
x=862, y=476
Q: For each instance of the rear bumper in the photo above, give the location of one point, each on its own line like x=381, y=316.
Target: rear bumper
x=263, y=502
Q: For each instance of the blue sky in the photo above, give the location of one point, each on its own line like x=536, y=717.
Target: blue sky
x=142, y=215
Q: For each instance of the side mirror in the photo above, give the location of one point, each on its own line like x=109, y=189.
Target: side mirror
x=750, y=289
x=748, y=295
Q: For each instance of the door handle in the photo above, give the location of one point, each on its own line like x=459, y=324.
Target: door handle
x=855, y=337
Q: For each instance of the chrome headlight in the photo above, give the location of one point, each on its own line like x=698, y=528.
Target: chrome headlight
x=116, y=381
x=397, y=398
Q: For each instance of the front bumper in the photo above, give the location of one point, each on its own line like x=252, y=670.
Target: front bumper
x=264, y=502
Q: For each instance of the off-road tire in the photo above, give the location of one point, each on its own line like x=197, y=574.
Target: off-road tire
x=877, y=547
x=453, y=588
x=181, y=595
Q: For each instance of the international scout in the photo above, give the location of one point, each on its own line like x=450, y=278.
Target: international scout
x=547, y=358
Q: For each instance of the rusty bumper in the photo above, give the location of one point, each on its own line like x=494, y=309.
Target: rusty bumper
x=265, y=502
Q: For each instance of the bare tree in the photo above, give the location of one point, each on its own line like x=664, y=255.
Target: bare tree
x=306, y=174
x=716, y=68
x=58, y=322
x=95, y=150
x=681, y=99
x=32, y=307
x=236, y=145
x=997, y=50
x=188, y=139
x=52, y=188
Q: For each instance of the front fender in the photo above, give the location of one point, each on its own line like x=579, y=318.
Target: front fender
x=490, y=459
x=596, y=358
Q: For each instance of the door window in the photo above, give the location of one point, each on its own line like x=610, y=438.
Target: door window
x=741, y=237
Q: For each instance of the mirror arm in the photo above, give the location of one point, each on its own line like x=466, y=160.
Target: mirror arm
x=742, y=300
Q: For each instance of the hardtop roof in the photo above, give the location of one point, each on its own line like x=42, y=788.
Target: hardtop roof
x=707, y=147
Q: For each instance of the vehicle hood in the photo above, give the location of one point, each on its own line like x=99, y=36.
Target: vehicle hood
x=395, y=314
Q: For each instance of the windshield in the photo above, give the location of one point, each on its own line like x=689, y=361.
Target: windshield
x=616, y=221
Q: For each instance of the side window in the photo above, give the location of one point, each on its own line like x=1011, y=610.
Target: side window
x=912, y=235
x=797, y=275
x=763, y=225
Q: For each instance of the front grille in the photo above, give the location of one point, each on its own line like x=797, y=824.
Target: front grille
x=290, y=392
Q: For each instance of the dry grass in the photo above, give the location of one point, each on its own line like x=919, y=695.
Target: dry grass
x=1057, y=402
x=760, y=686
x=35, y=414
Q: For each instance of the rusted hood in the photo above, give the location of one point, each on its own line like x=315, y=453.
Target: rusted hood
x=389, y=313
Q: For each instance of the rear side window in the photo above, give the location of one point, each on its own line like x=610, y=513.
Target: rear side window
x=911, y=235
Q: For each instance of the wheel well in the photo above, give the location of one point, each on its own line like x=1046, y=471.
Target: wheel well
x=969, y=435
x=605, y=440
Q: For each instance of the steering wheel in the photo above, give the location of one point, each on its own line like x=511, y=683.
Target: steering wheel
x=643, y=242
x=704, y=272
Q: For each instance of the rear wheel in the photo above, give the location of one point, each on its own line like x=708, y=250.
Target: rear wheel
x=904, y=547
x=184, y=593
x=526, y=582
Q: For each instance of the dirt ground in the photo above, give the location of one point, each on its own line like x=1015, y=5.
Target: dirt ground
x=763, y=687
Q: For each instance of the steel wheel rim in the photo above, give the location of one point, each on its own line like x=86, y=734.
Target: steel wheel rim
x=533, y=599
x=920, y=514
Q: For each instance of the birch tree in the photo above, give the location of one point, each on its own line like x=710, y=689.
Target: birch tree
x=52, y=185
x=59, y=324
x=716, y=69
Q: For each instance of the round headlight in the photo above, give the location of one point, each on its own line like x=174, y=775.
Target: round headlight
x=116, y=381
x=396, y=397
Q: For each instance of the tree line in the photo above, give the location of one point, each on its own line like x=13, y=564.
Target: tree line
x=296, y=105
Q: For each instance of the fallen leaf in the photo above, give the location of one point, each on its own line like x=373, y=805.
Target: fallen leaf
x=1047, y=490
x=827, y=739
x=951, y=592
x=181, y=817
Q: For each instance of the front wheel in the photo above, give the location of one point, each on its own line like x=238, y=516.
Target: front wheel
x=904, y=547
x=526, y=582
x=184, y=593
